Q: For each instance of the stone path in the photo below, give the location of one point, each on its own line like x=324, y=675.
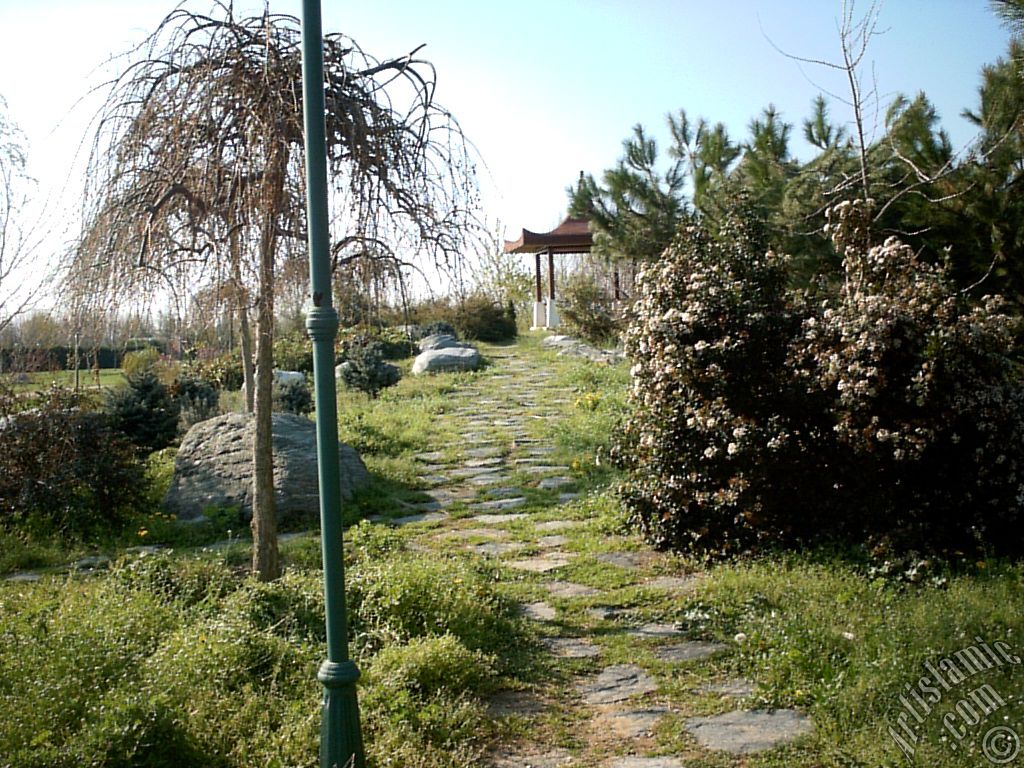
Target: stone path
x=506, y=494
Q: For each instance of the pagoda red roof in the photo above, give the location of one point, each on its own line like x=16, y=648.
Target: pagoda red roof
x=571, y=236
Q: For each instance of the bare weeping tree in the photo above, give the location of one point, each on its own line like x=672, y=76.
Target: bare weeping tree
x=195, y=176
x=16, y=250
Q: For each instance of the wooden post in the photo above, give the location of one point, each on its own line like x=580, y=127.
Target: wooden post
x=540, y=292
x=551, y=275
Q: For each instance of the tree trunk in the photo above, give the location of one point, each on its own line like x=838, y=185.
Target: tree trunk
x=265, y=562
x=248, y=371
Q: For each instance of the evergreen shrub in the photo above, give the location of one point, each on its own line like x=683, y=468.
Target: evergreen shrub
x=144, y=411
x=364, y=368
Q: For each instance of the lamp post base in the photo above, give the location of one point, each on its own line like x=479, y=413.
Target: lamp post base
x=341, y=741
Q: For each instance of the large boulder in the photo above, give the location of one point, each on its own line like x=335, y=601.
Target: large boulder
x=214, y=467
x=462, y=358
x=440, y=341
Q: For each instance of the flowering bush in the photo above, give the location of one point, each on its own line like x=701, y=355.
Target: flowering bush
x=889, y=412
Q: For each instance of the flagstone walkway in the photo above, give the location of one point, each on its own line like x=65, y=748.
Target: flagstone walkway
x=617, y=693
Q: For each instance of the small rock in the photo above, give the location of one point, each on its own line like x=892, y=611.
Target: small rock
x=497, y=519
x=500, y=504
x=559, y=525
x=497, y=548
x=421, y=517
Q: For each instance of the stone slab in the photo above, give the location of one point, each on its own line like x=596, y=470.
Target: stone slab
x=571, y=647
x=554, y=483
x=548, y=542
x=542, y=564
x=421, y=517
x=689, y=650
x=627, y=560
x=500, y=504
x=655, y=630
x=497, y=548
x=617, y=683
x=566, y=589
x=539, y=611
x=747, y=732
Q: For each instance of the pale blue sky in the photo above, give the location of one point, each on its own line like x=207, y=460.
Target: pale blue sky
x=545, y=88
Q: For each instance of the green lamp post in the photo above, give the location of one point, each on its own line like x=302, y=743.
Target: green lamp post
x=341, y=741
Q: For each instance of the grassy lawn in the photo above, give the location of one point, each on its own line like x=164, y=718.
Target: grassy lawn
x=180, y=659
x=33, y=382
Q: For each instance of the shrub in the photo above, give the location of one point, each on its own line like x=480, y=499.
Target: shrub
x=478, y=317
x=65, y=470
x=292, y=397
x=197, y=400
x=223, y=371
x=586, y=310
x=363, y=366
x=144, y=411
x=887, y=413
x=293, y=353
x=408, y=595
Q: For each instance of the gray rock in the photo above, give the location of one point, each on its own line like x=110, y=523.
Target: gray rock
x=743, y=733
x=449, y=359
x=571, y=647
x=422, y=517
x=627, y=560
x=691, y=650
x=500, y=504
x=538, y=611
x=23, y=576
x=656, y=631
x=549, y=542
x=497, y=548
x=213, y=467
x=510, y=703
x=439, y=341
x=566, y=589
x=553, y=483
x=568, y=346
x=617, y=683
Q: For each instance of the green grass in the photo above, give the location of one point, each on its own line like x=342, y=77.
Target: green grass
x=34, y=382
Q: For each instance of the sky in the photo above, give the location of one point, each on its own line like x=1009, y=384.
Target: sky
x=543, y=88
